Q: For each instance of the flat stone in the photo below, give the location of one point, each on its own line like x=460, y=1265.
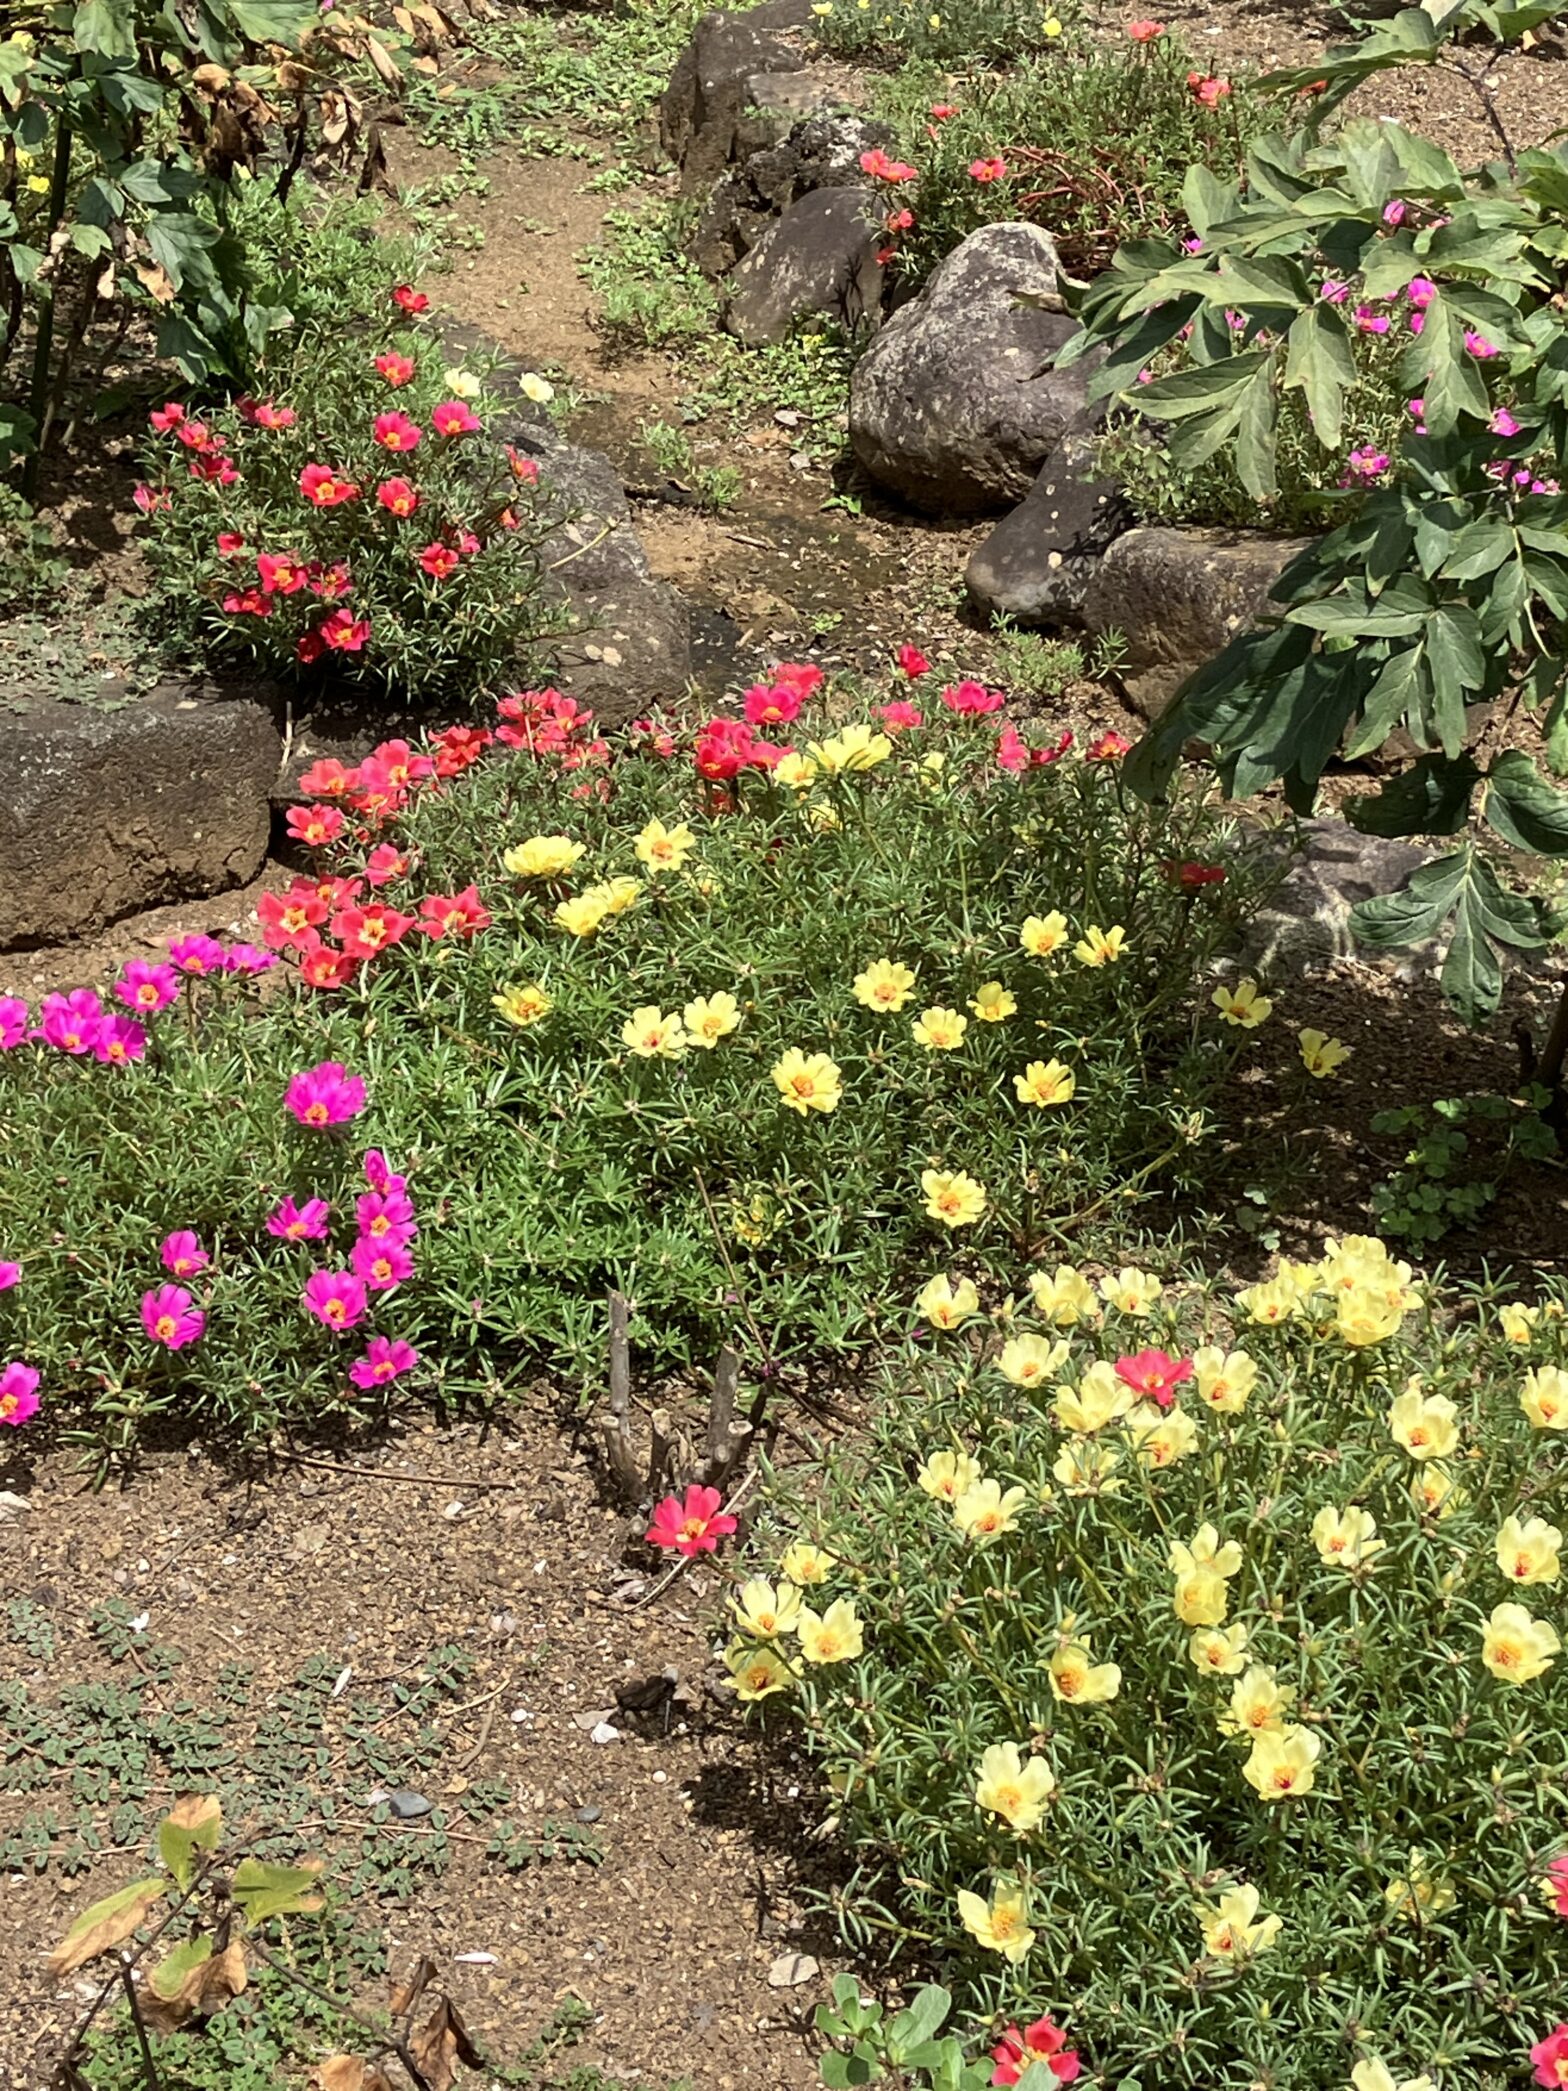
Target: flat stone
x=1178, y=597
x=408, y=1806
x=105, y=813
x=820, y=152
x=820, y=257
x=1037, y=564
x=1329, y=867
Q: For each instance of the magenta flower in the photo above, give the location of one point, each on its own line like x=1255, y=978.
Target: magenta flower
x=196, y=955
x=1193, y=246
x=299, y=1223
x=1394, y=212
x=972, y=699
x=384, y=1359
x=325, y=1095
x=1370, y=322
x=386, y=1216
x=382, y=1264
x=118, y=1041
x=9, y=1274
x=70, y=1022
x=337, y=1299
x=183, y=1254
x=248, y=958
x=171, y=1318
x=1478, y=345
x=1420, y=290
x=379, y=1176
x=1332, y=291
x=18, y=1394
x=1503, y=423
x=146, y=988
x=13, y=1022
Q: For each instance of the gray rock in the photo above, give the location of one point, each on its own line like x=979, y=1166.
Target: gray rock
x=713, y=111
x=823, y=152
x=1037, y=564
x=820, y=257
x=956, y=404
x=1177, y=597
x=1328, y=867
x=103, y=813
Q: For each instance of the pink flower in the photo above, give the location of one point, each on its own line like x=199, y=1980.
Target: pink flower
x=409, y=300
x=1478, y=345
x=1503, y=423
x=880, y=168
x=1012, y=751
x=150, y=499
x=337, y=1299
x=248, y=958
x=280, y=573
x=325, y=1095
x=381, y=1264
x=1370, y=322
x=9, y=1274
x=1192, y=246
x=454, y=417
x=18, y=1394
x=693, y=1527
x=167, y=417
x=1394, y=212
x=379, y=1176
x=146, y=988
x=1332, y=291
x=13, y=1022
x=299, y=1223
x=397, y=432
x=1110, y=746
x=912, y=663
x=196, y=955
x=1145, y=32
x=900, y=716
x=972, y=699
x=439, y=561
x=765, y=705
x=118, y=1041
x=70, y=1023
x=985, y=171
x=1420, y=290
x=170, y=1317
x=1154, y=1375
x=386, y=1216
x=1044, y=2042
x=1550, y=2057
x=1364, y=465
x=1210, y=89
x=384, y=1359
x=183, y=1254
x=385, y=863
x=274, y=417
x=230, y=544
x=1557, y=1881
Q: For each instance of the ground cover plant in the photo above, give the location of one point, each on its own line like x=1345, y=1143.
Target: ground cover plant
x=736, y=1030
x=963, y=32
x=1185, y=1670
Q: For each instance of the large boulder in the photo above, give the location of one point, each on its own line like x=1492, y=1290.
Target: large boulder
x=1178, y=596
x=1037, y=564
x=733, y=88
x=821, y=152
x=1323, y=868
x=820, y=257
x=103, y=813
x=957, y=403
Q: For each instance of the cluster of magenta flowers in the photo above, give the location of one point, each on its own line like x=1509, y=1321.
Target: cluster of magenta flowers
x=18, y=1382
x=320, y=1099
x=79, y=1024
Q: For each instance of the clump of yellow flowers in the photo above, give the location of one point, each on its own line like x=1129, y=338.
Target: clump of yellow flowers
x=1208, y=1672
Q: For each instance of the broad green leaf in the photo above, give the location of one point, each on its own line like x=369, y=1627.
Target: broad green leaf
x=1354, y=615
x=1319, y=363
x=1398, y=693
x=168, y=1977
x=1205, y=198
x=922, y=2020
x=262, y=1890
x=1432, y=797
x=105, y=27
x=1524, y=808
x=1478, y=549
x=1461, y=892
x=1457, y=665
x=1200, y=390
x=1255, y=436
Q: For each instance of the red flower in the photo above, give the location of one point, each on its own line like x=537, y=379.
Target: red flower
x=281, y=573
x=248, y=602
x=941, y=111
x=693, y=1527
x=397, y=497
x=1209, y=88
x=724, y=748
x=409, y=300
x=269, y=416
x=1550, y=2056
x=213, y=466
x=899, y=221
x=766, y=705
x=438, y=561
x=328, y=779
x=396, y=369
x=454, y=417
x=1043, y=2042
x=972, y=699
x=1012, y=751
x=1042, y=758
x=1154, y=1375
x=291, y=918
x=900, y=716
x=331, y=583
x=1111, y=746
x=1191, y=876
x=456, y=915
x=323, y=489
x=196, y=435
x=149, y=499
x=385, y=863
x=992, y=170
x=880, y=168
x=913, y=663
x=1145, y=32
x=229, y=543
x=458, y=748
x=315, y=826
x=803, y=677
x=524, y=469
x=397, y=432
x=395, y=765
x=365, y=932
x=343, y=632
x=652, y=738
x=167, y=417
x=323, y=965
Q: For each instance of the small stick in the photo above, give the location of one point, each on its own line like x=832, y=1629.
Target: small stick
x=150, y=2074
x=616, y=1429
x=336, y=1466
x=726, y=1377
x=658, y=1451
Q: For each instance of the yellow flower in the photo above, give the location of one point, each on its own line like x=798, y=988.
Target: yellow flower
x=582, y=916
x=801, y=1562
x=616, y=895
x=1372, y=2075
x=1161, y=1437
x=833, y=1636
x=1281, y=1764
x=1258, y=1704
x=1527, y=1553
x=993, y=1003
x=1000, y=1925
x=1045, y=1082
x=948, y=1475
x=1100, y=947
x=1422, y=1893
x=536, y=388
x=1029, y=1361
x=1278, y=1300
x=1427, y=1425
x=1345, y=1538
x=939, y=1030
x=796, y=770
x=1083, y=1468
x=654, y=1036
x=758, y=1672
x=1364, y=1316
x=1361, y=1263
x=857, y=747
x=1006, y=1786
x=1544, y=1397
x=1041, y=935
x=1321, y=1056
x=1200, y=1597
x=38, y=184
x=1131, y=1291
x=1432, y=1488
x=808, y=1083
x=543, y=857
x=946, y=1305
x=710, y=1018
x=1224, y=1379
x=462, y=384
x=1051, y=26
x=1207, y=1550
x=1518, y=1323
x=760, y=1609
x=885, y=984
x=1066, y=1297
x=984, y=1512
x=1515, y=1647
x=1100, y=1397
x=662, y=848
x=522, y=1006
x=1080, y=1681
x=1232, y=1928
x=1242, y=1005
x=1220, y=1650
x=952, y=1197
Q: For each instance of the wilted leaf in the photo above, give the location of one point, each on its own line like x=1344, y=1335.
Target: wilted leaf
x=211, y=79
x=193, y=1982
x=441, y=2043
x=406, y=1994
x=106, y=1925
x=383, y=61
x=154, y=279
x=193, y=1824
x=348, y=2073
x=263, y=1891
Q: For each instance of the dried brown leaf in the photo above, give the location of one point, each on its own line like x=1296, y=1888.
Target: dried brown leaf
x=407, y=1993
x=155, y=281
x=106, y=1925
x=211, y=79
x=200, y=1992
x=193, y=1811
x=441, y=2043
x=348, y=2073
x=383, y=61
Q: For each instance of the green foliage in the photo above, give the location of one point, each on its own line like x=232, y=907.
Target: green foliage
x=1440, y=1183
x=32, y=570
x=955, y=33
x=1286, y=1787
x=712, y=487
x=869, y=2047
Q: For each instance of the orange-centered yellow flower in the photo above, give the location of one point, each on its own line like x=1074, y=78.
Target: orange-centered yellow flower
x=653, y=1035
x=885, y=984
x=665, y=849
x=939, y=1030
x=808, y=1082
x=952, y=1198
x=1043, y=1083
x=1515, y=1647
x=993, y=1003
x=710, y=1018
x=1042, y=935
x=1013, y=1787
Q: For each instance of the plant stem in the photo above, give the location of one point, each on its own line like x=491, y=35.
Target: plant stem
x=43, y=348
x=150, y=2074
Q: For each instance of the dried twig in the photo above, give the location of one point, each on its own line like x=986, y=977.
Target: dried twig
x=336, y=1466
x=615, y=1427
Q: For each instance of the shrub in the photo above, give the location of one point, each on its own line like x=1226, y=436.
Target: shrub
x=1185, y=1668
x=960, y=32
x=361, y=517
x=739, y=1040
